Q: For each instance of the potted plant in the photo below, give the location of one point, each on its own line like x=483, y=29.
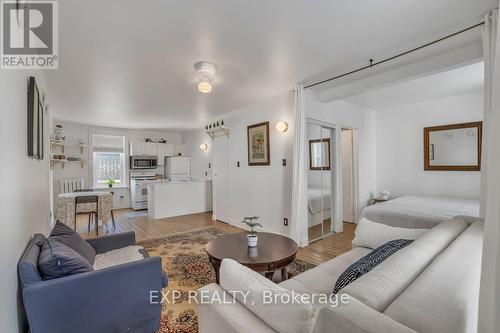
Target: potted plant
x=110, y=182
x=253, y=223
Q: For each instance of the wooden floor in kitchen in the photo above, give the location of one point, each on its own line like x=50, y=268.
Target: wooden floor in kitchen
x=147, y=228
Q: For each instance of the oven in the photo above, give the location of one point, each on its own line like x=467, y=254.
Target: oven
x=143, y=162
x=139, y=188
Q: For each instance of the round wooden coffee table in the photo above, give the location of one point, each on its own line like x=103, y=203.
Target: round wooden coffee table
x=272, y=252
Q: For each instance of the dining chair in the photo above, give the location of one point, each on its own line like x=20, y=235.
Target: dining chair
x=112, y=214
x=93, y=213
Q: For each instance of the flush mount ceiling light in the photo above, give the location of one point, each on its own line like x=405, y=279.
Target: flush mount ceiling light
x=282, y=126
x=205, y=76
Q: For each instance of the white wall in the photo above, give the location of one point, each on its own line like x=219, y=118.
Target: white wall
x=201, y=160
x=264, y=191
x=399, y=137
x=75, y=132
x=350, y=115
x=24, y=199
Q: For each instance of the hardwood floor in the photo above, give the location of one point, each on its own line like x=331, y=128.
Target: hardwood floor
x=147, y=228
x=330, y=247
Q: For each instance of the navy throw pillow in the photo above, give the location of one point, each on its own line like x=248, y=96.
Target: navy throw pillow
x=368, y=262
x=57, y=260
x=64, y=234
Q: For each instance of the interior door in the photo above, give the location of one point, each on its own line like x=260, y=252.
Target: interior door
x=347, y=176
x=220, y=179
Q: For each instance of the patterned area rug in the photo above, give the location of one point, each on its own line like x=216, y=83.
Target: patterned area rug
x=186, y=263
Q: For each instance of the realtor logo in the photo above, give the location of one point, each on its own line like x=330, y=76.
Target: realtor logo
x=29, y=33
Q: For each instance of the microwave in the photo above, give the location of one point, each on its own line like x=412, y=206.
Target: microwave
x=143, y=162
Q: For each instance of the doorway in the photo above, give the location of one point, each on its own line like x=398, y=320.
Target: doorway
x=220, y=181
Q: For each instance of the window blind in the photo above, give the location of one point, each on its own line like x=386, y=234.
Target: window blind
x=108, y=143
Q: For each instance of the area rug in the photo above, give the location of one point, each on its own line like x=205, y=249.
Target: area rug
x=186, y=263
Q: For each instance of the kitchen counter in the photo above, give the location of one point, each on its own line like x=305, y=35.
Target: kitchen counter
x=175, y=198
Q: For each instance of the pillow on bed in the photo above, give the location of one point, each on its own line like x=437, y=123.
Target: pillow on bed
x=372, y=234
x=369, y=262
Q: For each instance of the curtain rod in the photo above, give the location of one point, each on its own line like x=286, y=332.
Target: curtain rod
x=375, y=63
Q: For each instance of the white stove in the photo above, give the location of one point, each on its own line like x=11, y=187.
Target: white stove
x=139, y=181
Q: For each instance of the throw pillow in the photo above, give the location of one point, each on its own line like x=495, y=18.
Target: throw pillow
x=368, y=262
x=64, y=234
x=373, y=234
x=57, y=260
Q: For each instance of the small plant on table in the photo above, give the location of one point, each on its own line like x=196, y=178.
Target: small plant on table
x=253, y=223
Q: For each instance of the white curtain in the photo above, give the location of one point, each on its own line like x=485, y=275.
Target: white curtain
x=336, y=179
x=489, y=307
x=298, y=231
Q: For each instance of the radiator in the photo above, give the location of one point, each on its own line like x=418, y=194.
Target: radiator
x=71, y=184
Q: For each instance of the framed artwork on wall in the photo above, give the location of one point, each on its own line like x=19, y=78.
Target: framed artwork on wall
x=35, y=121
x=258, y=144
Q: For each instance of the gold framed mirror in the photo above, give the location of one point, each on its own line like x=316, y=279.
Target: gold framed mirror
x=454, y=147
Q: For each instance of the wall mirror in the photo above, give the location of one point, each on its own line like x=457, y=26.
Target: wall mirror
x=453, y=147
x=319, y=154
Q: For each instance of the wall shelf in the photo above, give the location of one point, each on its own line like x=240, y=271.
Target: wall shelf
x=219, y=131
x=55, y=161
x=54, y=144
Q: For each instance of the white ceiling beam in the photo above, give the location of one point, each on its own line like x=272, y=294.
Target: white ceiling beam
x=393, y=73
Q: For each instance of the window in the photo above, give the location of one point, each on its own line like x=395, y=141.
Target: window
x=108, y=159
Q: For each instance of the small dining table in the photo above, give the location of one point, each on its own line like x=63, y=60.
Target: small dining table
x=65, y=212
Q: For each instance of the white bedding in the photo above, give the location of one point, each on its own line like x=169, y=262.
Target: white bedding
x=419, y=212
x=315, y=201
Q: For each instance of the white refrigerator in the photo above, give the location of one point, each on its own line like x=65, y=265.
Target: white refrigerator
x=178, y=168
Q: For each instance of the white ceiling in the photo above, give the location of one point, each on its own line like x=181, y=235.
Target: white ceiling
x=449, y=83
x=127, y=63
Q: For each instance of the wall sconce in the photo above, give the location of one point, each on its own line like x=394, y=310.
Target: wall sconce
x=204, y=146
x=282, y=126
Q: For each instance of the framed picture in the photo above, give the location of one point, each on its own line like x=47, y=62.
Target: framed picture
x=35, y=121
x=258, y=144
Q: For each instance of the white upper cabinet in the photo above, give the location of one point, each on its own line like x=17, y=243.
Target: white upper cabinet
x=137, y=148
x=180, y=150
x=143, y=148
x=165, y=150
x=151, y=148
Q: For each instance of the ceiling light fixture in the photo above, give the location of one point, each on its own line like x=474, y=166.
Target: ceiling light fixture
x=205, y=76
x=282, y=126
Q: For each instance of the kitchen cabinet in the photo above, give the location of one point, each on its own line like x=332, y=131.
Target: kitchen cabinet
x=143, y=148
x=180, y=150
x=151, y=148
x=165, y=150
x=137, y=148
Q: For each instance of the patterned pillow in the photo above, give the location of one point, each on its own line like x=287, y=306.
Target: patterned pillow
x=368, y=262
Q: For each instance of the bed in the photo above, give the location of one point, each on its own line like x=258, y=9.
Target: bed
x=319, y=205
x=419, y=212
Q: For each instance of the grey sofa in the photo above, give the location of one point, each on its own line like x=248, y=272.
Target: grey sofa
x=430, y=286
x=114, y=299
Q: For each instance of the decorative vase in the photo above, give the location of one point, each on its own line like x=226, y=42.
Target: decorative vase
x=252, y=240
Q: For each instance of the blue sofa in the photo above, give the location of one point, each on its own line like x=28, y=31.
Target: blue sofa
x=114, y=299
